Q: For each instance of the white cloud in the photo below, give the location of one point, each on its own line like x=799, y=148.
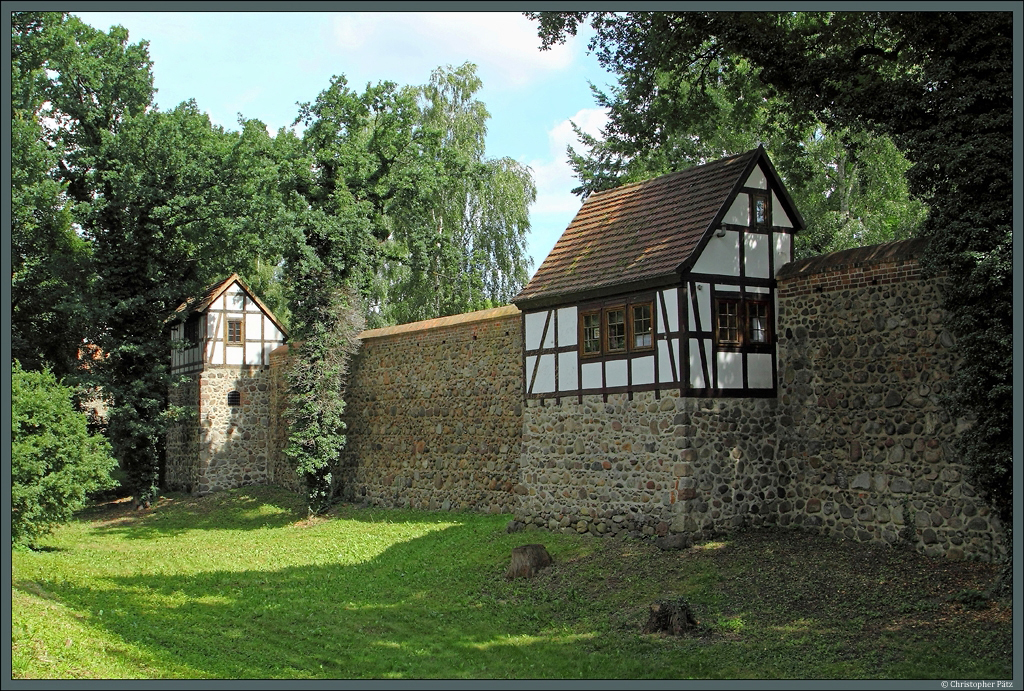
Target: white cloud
x=554, y=177
x=503, y=45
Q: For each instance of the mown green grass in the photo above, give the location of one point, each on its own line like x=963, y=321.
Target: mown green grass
x=241, y=585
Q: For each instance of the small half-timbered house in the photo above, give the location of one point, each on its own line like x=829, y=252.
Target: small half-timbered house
x=667, y=283
x=221, y=343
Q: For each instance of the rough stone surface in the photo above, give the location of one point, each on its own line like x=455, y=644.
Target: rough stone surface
x=435, y=417
x=216, y=446
x=854, y=445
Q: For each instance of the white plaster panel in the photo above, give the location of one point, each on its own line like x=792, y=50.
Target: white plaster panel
x=251, y=306
x=704, y=305
x=271, y=332
x=591, y=372
x=721, y=255
x=534, y=329
x=739, y=212
x=235, y=297
x=567, y=327
x=782, y=249
x=643, y=370
x=267, y=349
x=253, y=353
x=758, y=289
x=779, y=216
x=757, y=179
x=755, y=255
x=670, y=298
x=712, y=374
x=696, y=371
x=253, y=326
x=616, y=373
x=545, y=381
x=218, y=353
x=759, y=370
x=218, y=304
x=212, y=323
x=665, y=364
x=730, y=370
x=568, y=377
x=530, y=360
x=727, y=286
x=233, y=355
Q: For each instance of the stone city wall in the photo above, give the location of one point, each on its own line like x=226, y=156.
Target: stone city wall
x=856, y=444
x=182, y=469
x=434, y=414
x=647, y=466
x=866, y=445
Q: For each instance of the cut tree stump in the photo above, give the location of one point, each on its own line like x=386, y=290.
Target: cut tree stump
x=671, y=616
x=527, y=560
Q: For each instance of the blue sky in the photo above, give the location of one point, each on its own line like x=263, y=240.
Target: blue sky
x=260, y=64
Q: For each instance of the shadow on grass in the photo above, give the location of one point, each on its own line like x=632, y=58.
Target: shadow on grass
x=450, y=617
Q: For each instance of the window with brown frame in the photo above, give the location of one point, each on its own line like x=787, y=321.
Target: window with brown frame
x=758, y=331
x=642, y=323
x=727, y=322
x=615, y=328
x=590, y=338
x=742, y=323
x=234, y=331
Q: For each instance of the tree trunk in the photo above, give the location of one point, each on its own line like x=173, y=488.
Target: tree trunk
x=671, y=616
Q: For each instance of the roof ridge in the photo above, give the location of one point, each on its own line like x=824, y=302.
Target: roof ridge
x=691, y=169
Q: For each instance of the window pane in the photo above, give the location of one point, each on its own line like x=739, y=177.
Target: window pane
x=234, y=331
x=591, y=333
x=616, y=329
x=758, y=322
x=642, y=332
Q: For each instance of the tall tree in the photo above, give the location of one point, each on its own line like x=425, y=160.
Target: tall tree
x=71, y=86
x=940, y=85
x=846, y=182
x=464, y=241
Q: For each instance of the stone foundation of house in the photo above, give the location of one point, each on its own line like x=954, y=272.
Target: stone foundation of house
x=224, y=446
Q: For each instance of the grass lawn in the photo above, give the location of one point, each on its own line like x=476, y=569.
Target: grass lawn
x=241, y=585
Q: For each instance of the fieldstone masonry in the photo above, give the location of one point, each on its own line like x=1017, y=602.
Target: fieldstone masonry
x=856, y=443
x=219, y=446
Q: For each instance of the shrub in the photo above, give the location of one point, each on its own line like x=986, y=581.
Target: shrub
x=55, y=461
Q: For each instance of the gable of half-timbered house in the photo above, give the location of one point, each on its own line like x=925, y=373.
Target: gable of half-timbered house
x=667, y=283
x=228, y=325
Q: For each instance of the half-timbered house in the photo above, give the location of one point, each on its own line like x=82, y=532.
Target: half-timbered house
x=221, y=343
x=663, y=284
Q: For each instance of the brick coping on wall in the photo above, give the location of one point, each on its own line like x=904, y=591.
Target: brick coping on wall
x=898, y=251
x=426, y=325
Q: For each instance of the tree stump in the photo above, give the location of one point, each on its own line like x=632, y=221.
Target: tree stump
x=671, y=616
x=527, y=560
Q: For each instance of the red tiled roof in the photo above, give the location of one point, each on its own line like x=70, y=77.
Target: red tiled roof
x=638, y=232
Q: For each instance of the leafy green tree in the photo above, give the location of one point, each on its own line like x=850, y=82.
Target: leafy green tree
x=849, y=184
x=940, y=85
x=55, y=461
x=464, y=241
